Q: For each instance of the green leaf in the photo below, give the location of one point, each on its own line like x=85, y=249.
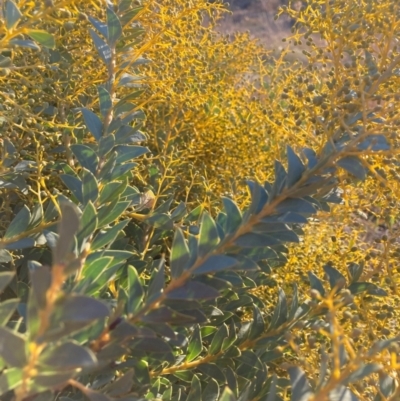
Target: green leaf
x=371, y=289
x=12, y=14
x=355, y=271
x=295, y=205
x=10, y=379
x=90, y=187
x=233, y=215
x=105, y=100
x=105, y=237
x=102, y=48
x=354, y=166
x=127, y=17
x=212, y=371
x=180, y=255
x=295, y=167
x=132, y=95
x=7, y=308
x=195, y=344
x=99, y=25
x=211, y=392
x=336, y=279
x=258, y=324
x=195, y=390
x=154, y=346
x=208, y=237
x=19, y=224
x=216, y=263
x=5, y=279
x=74, y=184
x=92, y=271
x=30, y=44
x=316, y=283
x=193, y=290
x=86, y=157
x=227, y=395
x=157, y=282
x=259, y=197
x=230, y=340
x=68, y=355
x=42, y=37
x=135, y=291
x=112, y=191
x=301, y=389
x=114, y=27
x=50, y=379
x=106, y=144
x=280, y=313
x=127, y=152
x=20, y=244
x=67, y=229
x=88, y=221
x=93, y=123
x=12, y=348
x=93, y=395
x=113, y=213
x=218, y=339
x=167, y=315
x=79, y=308
x=40, y=276
x=253, y=240
x=250, y=359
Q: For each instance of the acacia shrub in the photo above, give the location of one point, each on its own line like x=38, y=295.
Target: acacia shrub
x=146, y=298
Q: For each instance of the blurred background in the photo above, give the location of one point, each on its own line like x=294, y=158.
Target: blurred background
x=257, y=17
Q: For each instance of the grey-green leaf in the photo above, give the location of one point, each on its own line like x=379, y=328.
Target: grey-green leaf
x=193, y=290
x=102, y=47
x=114, y=27
x=295, y=167
x=68, y=355
x=67, y=229
x=5, y=279
x=7, y=308
x=301, y=389
x=93, y=123
x=105, y=100
x=12, y=348
x=105, y=237
x=208, y=238
x=211, y=392
x=19, y=224
x=195, y=390
x=89, y=221
x=79, y=308
x=86, y=157
x=135, y=291
x=233, y=215
x=216, y=263
x=12, y=14
x=180, y=254
x=195, y=345
x=90, y=187
x=354, y=166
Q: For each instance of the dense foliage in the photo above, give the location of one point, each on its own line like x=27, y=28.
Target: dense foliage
x=184, y=216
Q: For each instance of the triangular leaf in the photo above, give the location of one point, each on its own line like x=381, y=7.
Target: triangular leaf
x=42, y=37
